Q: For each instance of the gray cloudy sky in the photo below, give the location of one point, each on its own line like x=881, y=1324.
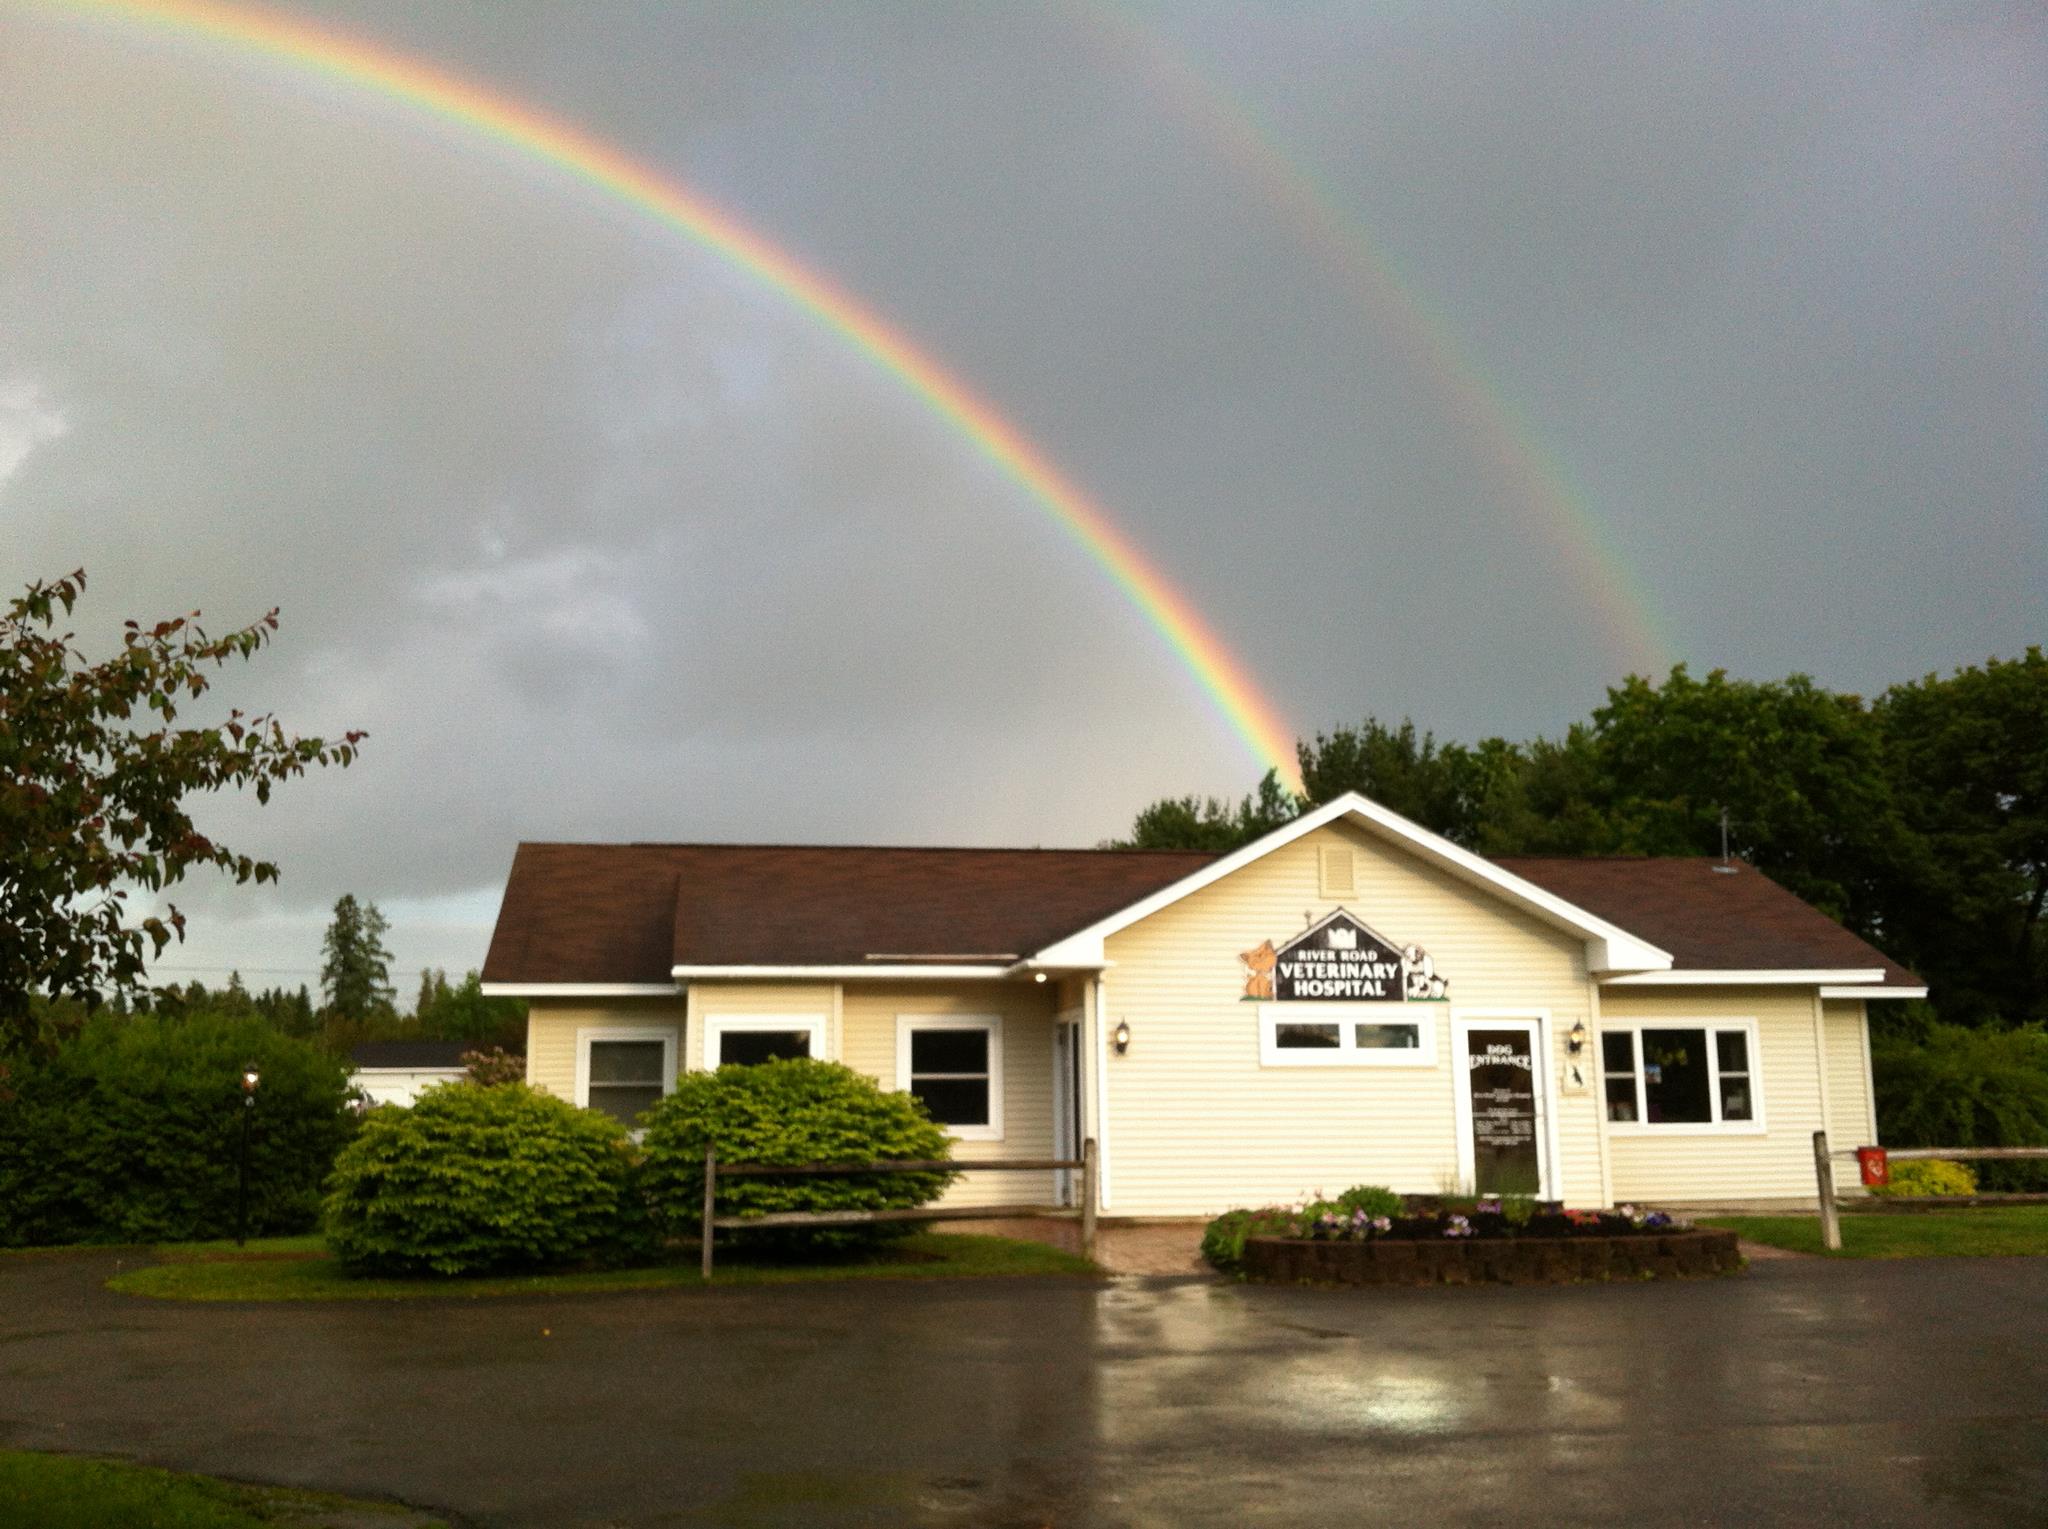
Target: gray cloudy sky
x=600, y=538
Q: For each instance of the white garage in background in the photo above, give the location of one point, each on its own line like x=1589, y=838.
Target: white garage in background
x=396, y=1072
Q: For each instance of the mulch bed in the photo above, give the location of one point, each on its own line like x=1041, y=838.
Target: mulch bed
x=1691, y=1253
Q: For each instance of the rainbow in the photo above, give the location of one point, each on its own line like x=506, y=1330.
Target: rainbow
x=1628, y=616
x=363, y=66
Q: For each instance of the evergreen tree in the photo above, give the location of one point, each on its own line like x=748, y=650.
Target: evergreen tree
x=356, y=976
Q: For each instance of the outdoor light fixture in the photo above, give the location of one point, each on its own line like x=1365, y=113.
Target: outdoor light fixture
x=1038, y=976
x=250, y=1078
x=1576, y=1041
x=1123, y=1036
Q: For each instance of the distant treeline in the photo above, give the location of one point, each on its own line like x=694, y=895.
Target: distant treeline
x=356, y=1004
x=1919, y=818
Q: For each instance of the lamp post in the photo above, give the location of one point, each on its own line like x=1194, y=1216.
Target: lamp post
x=250, y=1078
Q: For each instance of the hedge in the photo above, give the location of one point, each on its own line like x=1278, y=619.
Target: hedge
x=792, y=1111
x=129, y=1132
x=474, y=1179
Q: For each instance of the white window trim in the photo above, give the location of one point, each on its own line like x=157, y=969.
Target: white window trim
x=716, y=1025
x=1633, y=1028
x=1344, y=1015
x=993, y=1025
x=667, y=1035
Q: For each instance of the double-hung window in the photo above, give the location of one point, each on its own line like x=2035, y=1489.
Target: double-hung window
x=623, y=1072
x=1689, y=1076
x=954, y=1064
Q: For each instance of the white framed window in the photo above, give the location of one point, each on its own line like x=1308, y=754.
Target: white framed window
x=1681, y=1076
x=954, y=1063
x=741, y=1040
x=624, y=1070
x=1346, y=1035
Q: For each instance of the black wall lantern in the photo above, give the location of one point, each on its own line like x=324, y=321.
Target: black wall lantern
x=1122, y=1037
x=250, y=1078
x=1576, y=1041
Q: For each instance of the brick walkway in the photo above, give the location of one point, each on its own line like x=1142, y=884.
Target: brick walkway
x=1121, y=1247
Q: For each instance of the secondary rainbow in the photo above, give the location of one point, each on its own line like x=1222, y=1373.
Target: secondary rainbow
x=1628, y=615
x=535, y=134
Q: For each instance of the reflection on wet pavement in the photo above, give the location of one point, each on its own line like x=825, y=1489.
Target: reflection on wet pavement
x=1904, y=1393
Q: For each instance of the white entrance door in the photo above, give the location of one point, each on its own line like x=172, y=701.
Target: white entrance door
x=1066, y=1107
x=1503, y=1105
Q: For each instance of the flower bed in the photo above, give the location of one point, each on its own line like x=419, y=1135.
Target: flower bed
x=1372, y=1237
x=1691, y=1253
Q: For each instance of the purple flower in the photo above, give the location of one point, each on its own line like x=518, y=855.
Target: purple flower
x=1458, y=1226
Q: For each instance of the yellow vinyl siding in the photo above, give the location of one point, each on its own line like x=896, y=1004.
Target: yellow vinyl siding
x=1849, y=1119
x=552, y=1023
x=1707, y=1166
x=1196, y=1124
x=1026, y=1011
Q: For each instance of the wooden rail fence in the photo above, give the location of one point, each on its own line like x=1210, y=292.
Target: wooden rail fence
x=1824, y=1174
x=714, y=1170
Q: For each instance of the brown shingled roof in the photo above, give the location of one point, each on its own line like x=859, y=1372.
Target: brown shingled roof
x=631, y=912
x=1708, y=918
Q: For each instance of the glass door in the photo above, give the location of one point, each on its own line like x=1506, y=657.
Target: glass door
x=1500, y=1098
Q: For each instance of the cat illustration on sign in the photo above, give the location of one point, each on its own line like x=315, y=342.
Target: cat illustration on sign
x=1258, y=970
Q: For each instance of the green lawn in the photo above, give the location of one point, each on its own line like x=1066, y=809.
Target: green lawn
x=67, y=1492
x=298, y=1269
x=2017, y=1229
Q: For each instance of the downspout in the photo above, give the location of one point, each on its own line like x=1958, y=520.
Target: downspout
x=1820, y=1061
x=1869, y=1077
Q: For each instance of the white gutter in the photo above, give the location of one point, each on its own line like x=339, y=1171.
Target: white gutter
x=1879, y=991
x=1761, y=977
x=579, y=989
x=913, y=971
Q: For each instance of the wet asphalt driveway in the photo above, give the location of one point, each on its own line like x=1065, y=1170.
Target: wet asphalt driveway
x=1903, y=1393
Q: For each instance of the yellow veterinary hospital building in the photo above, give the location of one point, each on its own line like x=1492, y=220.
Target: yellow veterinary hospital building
x=1349, y=1000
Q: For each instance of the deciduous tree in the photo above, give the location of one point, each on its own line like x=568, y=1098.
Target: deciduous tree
x=93, y=806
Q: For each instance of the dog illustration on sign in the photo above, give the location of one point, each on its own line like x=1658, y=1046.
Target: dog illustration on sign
x=1258, y=970
x=1420, y=980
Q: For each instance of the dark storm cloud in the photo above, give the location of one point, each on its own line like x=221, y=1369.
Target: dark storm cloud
x=600, y=539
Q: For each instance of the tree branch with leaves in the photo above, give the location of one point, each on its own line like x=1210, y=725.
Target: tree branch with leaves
x=92, y=805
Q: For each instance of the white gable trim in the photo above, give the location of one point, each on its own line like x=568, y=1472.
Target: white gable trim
x=1878, y=990
x=1609, y=948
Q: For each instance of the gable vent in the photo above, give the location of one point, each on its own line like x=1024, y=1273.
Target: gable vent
x=1339, y=873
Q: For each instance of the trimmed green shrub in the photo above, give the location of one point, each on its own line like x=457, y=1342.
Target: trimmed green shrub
x=129, y=1130
x=1373, y=1199
x=1955, y=1087
x=1223, y=1239
x=473, y=1179
x=1929, y=1176
x=792, y=1112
